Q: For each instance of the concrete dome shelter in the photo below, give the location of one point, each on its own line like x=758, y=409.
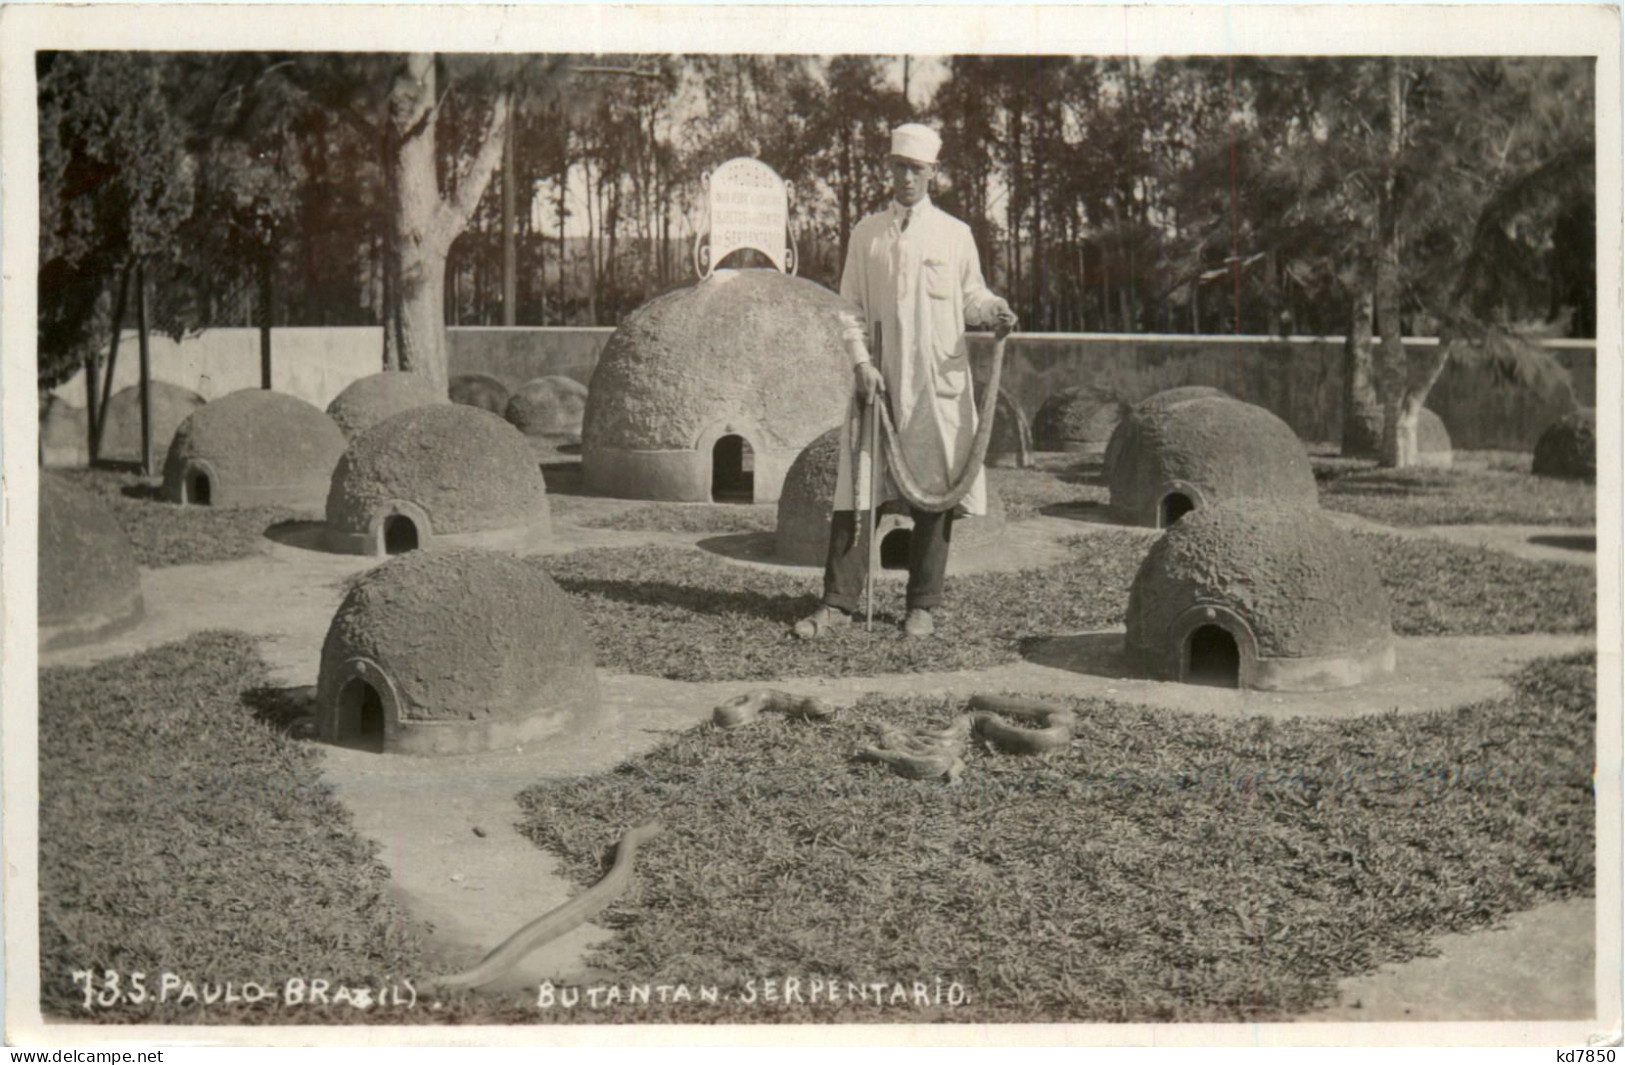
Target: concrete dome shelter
x=430, y=472
x=1151, y=405
x=1258, y=595
x=548, y=406
x=1433, y=447
x=1079, y=420
x=479, y=390
x=1205, y=451
x=454, y=651
x=121, y=437
x=710, y=392
x=1568, y=448
x=802, y=534
x=366, y=401
x=89, y=587
x=252, y=448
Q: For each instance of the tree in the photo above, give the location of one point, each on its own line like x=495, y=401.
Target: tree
x=116, y=185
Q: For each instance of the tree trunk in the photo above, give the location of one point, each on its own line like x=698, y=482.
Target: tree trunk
x=96, y=413
x=267, y=302
x=423, y=224
x=1398, y=445
x=510, y=249
x=1362, y=413
x=146, y=368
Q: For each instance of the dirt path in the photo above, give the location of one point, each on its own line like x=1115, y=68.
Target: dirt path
x=1574, y=545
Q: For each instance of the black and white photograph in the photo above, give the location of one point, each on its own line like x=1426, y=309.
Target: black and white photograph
x=887, y=522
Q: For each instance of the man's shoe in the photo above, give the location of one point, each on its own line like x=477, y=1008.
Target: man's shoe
x=822, y=621
x=918, y=623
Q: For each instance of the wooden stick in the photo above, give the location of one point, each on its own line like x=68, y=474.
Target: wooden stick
x=873, y=415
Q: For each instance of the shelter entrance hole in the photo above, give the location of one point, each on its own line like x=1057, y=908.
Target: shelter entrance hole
x=1175, y=505
x=1212, y=658
x=400, y=535
x=360, y=723
x=197, y=488
x=894, y=549
x=733, y=470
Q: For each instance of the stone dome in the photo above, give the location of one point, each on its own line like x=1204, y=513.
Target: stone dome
x=121, y=436
x=1151, y=405
x=802, y=533
x=1433, y=447
x=368, y=400
x=1011, y=445
x=1078, y=419
x=89, y=587
x=253, y=447
x=714, y=389
x=441, y=652
x=1204, y=451
x=1260, y=595
x=548, y=406
x=1568, y=448
x=479, y=390
x=429, y=472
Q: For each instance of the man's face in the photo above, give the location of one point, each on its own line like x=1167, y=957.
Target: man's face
x=910, y=179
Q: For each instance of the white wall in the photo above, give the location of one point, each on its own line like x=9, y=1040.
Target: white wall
x=314, y=364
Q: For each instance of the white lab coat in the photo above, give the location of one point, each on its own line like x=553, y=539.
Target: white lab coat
x=922, y=286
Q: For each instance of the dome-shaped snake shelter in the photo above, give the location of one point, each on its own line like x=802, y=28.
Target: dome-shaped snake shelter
x=121, y=433
x=1078, y=420
x=430, y=472
x=366, y=401
x=1568, y=447
x=1259, y=595
x=89, y=587
x=1011, y=444
x=1206, y=451
x=1151, y=405
x=251, y=448
x=548, y=406
x=452, y=651
x=479, y=390
x=1433, y=446
x=805, y=506
x=708, y=393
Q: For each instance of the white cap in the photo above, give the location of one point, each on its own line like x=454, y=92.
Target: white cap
x=916, y=142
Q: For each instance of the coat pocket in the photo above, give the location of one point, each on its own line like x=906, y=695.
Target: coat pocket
x=953, y=376
x=938, y=279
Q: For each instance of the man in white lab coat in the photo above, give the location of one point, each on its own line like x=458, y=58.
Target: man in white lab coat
x=913, y=269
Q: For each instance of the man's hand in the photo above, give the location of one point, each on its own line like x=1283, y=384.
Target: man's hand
x=1004, y=320
x=867, y=382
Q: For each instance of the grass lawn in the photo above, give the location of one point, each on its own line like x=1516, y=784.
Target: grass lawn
x=1166, y=867
x=1480, y=490
x=179, y=834
x=687, y=518
x=1027, y=492
x=1444, y=589
x=687, y=615
x=165, y=534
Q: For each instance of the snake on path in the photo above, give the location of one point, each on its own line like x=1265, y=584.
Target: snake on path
x=555, y=922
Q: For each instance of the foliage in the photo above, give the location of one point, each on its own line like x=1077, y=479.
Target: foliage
x=116, y=184
x=1463, y=495
x=1166, y=867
